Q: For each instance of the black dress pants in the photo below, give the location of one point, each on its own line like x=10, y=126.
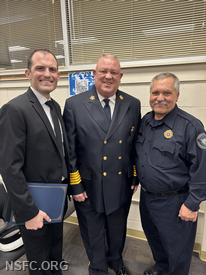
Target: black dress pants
x=103, y=236
x=44, y=248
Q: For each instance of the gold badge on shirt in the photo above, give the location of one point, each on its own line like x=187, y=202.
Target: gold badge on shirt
x=168, y=134
x=121, y=97
x=92, y=97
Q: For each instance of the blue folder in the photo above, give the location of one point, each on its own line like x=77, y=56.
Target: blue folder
x=48, y=197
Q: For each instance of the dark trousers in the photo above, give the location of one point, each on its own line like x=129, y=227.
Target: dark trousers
x=171, y=239
x=44, y=248
x=103, y=236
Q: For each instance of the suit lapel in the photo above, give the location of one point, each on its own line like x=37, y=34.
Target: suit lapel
x=121, y=106
x=40, y=111
x=95, y=109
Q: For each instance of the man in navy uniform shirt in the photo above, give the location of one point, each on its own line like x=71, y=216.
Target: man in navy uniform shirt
x=170, y=162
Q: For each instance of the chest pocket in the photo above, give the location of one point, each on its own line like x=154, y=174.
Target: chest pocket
x=163, y=154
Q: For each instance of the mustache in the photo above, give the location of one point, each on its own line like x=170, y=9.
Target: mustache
x=160, y=102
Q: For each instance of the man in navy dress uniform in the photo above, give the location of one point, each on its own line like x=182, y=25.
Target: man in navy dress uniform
x=170, y=163
x=101, y=125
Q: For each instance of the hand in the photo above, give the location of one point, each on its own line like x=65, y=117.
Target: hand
x=134, y=188
x=187, y=215
x=80, y=197
x=37, y=221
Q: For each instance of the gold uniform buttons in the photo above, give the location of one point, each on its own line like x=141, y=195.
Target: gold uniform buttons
x=120, y=141
x=104, y=158
x=119, y=173
x=119, y=157
x=104, y=174
x=105, y=142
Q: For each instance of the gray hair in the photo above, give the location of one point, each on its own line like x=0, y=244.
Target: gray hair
x=165, y=75
x=110, y=56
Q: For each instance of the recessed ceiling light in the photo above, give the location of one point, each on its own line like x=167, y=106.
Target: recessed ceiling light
x=17, y=48
x=60, y=56
x=16, y=61
x=60, y=42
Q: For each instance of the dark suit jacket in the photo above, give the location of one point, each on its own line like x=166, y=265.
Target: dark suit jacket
x=103, y=156
x=28, y=151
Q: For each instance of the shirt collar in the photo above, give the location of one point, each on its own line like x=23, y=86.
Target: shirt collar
x=112, y=98
x=169, y=119
x=39, y=96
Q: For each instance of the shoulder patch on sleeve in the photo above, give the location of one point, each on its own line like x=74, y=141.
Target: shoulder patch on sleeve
x=201, y=140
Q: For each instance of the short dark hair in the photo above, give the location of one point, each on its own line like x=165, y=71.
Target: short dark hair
x=45, y=51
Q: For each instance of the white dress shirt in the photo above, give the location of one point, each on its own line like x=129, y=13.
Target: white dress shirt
x=112, y=100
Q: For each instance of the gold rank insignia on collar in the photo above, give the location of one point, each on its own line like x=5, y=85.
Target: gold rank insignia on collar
x=121, y=97
x=168, y=134
x=92, y=97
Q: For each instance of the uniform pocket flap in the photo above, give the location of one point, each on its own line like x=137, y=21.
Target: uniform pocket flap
x=164, y=146
x=140, y=138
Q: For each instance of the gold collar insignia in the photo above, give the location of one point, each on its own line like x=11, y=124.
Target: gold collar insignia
x=92, y=97
x=121, y=97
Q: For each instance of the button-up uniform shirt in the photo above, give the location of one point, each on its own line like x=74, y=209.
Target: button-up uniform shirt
x=172, y=153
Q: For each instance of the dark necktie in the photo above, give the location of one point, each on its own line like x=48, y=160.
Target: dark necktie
x=107, y=109
x=57, y=133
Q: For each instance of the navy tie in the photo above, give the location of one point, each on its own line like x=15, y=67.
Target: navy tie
x=57, y=133
x=107, y=109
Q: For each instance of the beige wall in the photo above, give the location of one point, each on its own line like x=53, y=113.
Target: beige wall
x=136, y=82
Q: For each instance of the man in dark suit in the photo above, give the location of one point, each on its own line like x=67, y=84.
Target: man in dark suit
x=29, y=153
x=101, y=136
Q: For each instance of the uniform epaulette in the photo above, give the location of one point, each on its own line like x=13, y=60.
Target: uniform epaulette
x=146, y=116
x=193, y=120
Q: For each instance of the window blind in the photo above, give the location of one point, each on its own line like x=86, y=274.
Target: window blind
x=136, y=30
x=26, y=25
